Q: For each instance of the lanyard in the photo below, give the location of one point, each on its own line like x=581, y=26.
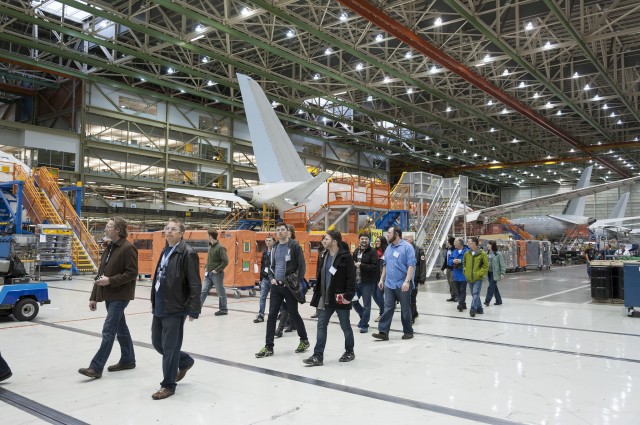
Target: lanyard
x=164, y=261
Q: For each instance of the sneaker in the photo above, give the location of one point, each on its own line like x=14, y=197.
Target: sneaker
x=303, y=346
x=347, y=356
x=221, y=313
x=381, y=336
x=313, y=361
x=377, y=319
x=259, y=319
x=472, y=313
x=364, y=330
x=90, y=372
x=264, y=352
x=407, y=336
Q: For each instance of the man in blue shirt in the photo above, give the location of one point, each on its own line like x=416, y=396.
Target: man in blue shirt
x=397, y=281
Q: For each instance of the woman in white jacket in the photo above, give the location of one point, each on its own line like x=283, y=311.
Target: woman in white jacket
x=497, y=269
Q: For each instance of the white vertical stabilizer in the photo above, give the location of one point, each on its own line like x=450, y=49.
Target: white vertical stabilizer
x=619, y=210
x=276, y=158
x=576, y=206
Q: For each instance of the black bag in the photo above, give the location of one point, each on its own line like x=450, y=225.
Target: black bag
x=294, y=286
x=16, y=268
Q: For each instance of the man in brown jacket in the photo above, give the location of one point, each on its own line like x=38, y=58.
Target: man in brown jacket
x=116, y=286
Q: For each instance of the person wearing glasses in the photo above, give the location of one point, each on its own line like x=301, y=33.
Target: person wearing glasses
x=116, y=286
x=214, y=273
x=175, y=294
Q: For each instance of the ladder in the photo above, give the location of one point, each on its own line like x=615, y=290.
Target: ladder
x=435, y=225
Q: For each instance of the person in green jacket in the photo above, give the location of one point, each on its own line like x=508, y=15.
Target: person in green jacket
x=475, y=264
x=214, y=273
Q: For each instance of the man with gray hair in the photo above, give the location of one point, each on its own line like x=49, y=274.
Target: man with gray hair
x=455, y=261
x=116, y=286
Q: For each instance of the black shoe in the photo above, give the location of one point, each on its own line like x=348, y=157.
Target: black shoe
x=451, y=299
x=479, y=311
x=90, y=372
x=221, y=313
x=264, y=352
x=381, y=336
x=290, y=329
x=460, y=308
x=497, y=303
x=182, y=372
x=121, y=366
x=313, y=361
x=472, y=313
x=278, y=334
x=464, y=306
x=407, y=336
x=347, y=356
x=259, y=319
x=302, y=347
x=6, y=376
x=314, y=315
x=486, y=303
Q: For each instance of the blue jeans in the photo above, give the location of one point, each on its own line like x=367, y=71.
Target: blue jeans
x=476, y=286
x=493, y=289
x=114, y=326
x=364, y=311
x=462, y=292
x=278, y=294
x=166, y=336
x=210, y=280
x=265, y=286
x=323, y=322
x=390, y=298
x=378, y=297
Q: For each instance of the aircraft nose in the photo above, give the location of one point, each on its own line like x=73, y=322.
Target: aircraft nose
x=591, y=220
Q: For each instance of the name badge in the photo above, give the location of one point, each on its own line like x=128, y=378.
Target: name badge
x=287, y=258
x=266, y=269
x=396, y=254
x=360, y=256
x=157, y=285
x=333, y=270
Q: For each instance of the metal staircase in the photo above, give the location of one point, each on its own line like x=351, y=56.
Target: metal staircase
x=46, y=203
x=446, y=195
x=518, y=232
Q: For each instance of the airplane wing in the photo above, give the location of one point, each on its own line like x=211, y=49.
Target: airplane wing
x=549, y=199
x=209, y=207
x=301, y=192
x=611, y=222
x=209, y=194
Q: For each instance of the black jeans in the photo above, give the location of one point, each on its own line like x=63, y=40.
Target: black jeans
x=4, y=367
x=279, y=293
x=166, y=336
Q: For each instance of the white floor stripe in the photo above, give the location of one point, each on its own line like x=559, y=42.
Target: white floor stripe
x=558, y=293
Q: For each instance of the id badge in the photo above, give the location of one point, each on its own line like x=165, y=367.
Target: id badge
x=396, y=254
x=287, y=258
x=157, y=285
x=333, y=270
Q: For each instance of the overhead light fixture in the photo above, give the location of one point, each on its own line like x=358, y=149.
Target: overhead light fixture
x=316, y=76
x=205, y=59
x=613, y=114
x=369, y=98
x=438, y=21
x=619, y=122
x=490, y=103
x=505, y=72
x=587, y=87
x=559, y=112
x=408, y=55
x=170, y=71
x=492, y=130
x=290, y=33
x=344, y=17
x=409, y=90
x=197, y=37
x=596, y=97
x=245, y=11
x=211, y=83
x=433, y=69
x=529, y=26
x=576, y=75
x=359, y=66
x=536, y=95
x=605, y=106
x=379, y=37
x=487, y=58
x=386, y=79
x=449, y=109
x=505, y=111
x=547, y=45
x=328, y=51
x=522, y=85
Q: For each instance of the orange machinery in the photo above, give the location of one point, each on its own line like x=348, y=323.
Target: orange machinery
x=244, y=249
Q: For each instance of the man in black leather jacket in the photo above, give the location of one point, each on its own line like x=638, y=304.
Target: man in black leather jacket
x=174, y=296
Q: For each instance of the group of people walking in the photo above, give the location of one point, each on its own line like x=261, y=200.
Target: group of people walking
x=468, y=265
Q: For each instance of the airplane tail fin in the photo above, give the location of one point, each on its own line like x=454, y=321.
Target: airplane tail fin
x=576, y=206
x=619, y=209
x=276, y=158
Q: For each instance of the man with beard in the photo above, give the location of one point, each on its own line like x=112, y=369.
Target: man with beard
x=397, y=281
x=366, y=262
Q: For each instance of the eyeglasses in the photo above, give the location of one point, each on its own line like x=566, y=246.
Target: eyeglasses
x=171, y=229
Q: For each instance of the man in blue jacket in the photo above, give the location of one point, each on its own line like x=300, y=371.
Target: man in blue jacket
x=455, y=261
